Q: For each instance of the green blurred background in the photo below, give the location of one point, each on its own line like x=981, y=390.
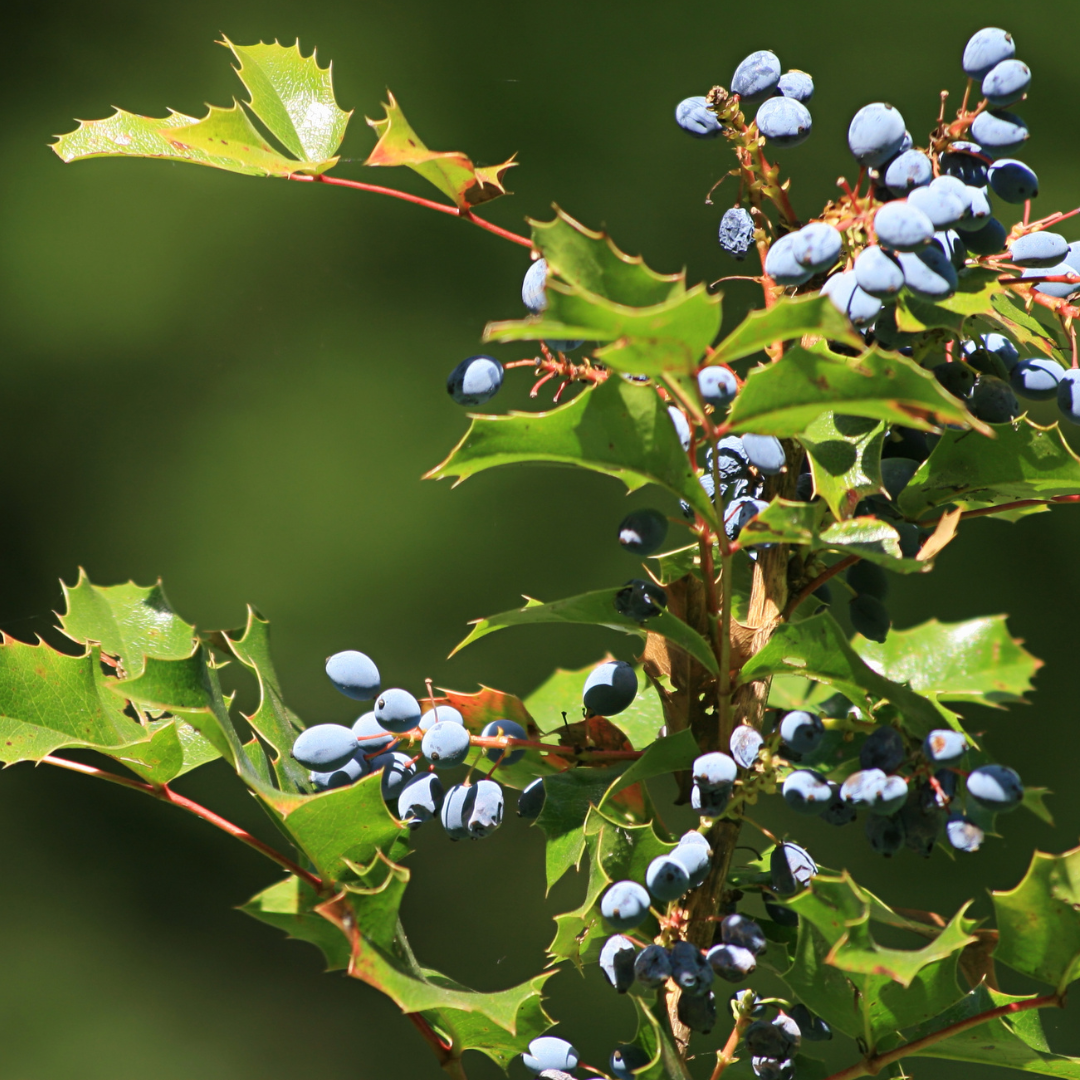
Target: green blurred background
x=235, y=384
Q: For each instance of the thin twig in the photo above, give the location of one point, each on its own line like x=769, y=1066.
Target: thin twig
x=813, y=586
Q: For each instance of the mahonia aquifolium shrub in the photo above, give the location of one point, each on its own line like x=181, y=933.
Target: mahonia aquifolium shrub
x=903, y=324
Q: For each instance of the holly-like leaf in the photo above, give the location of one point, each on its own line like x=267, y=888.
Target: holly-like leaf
x=595, y=609
x=1039, y=920
x=817, y=648
x=289, y=906
x=845, y=459
x=664, y=1062
x=1017, y=323
x=974, y=295
x=451, y=172
x=666, y=755
x=976, y=660
x=786, y=397
x=669, y=336
x=618, y=428
x=293, y=97
x=1013, y=1042
x=1024, y=461
x=789, y=318
x=590, y=261
x=175, y=748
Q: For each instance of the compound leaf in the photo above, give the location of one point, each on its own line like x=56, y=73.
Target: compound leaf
x=451, y=172
x=786, y=397
x=975, y=660
x=618, y=428
x=845, y=459
x=786, y=320
x=293, y=97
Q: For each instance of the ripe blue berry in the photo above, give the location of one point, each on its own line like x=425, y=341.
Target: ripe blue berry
x=790, y=868
x=682, y=425
x=643, y=531
x=617, y=962
x=811, y=1027
x=475, y=380
x=965, y=161
x=356, y=767
x=964, y=834
x=717, y=385
x=695, y=859
x=838, y=812
x=640, y=600
x=1006, y=82
x=772, y=1040
x=652, y=966
x=995, y=787
x=666, y=878
x=756, y=77
x=869, y=617
x=440, y=714
x=445, y=744
x=689, y=968
x=878, y=273
x=844, y=292
x=1036, y=379
x=989, y=240
x=370, y=735
x=784, y=121
x=531, y=800
x=908, y=170
x=1058, y=289
x=944, y=746
x=886, y=834
x=610, y=688
x=816, y=246
x=353, y=674
x=509, y=730
x=981, y=209
x=945, y=201
x=999, y=131
x=714, y=771
x=325, y=747
x=1068, y=395
x=802, y=731
x=420, y=799
x=929, y=273
x=741, y=930
x=397, y=711
x=862, y=789
x=781, y=264
x=456, y=808
x=891, y=796
x=986, y=49
x=781, y=915
x=693, y=115
x=628, y=1060
x=533, y=285
x=397, y=770
x=766, y=1068
x=731, y=962
x=487, y=809
x=698, y=1011
x=903, y=227
x=745, y=745
x=1039, y=249
x=548, y=1052
x=876, y=133
x=625, y=905
x=993, y=401
x=709, y=803
x=737, y=232
x=807, y=792
x=883, y=749
x=765, y=453
x=1012, y=180
x=797, y=85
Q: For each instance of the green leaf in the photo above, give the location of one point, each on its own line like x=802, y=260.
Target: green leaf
x=618, y=428
x=128, y=621
x=595, y=609
x=975, y=660
x=1039, y=920
x=1024, y=461
x=787, y=319
x=289, y=906
x=666, y=755
x=786, y=397
x=1015, y=1042
x=293, y=97
x=175, y=748
x=817, y=648
x=591, y=262
x=451, y=172
x=974, y=296
x=664, y=1060
x=1016, y=322
x=845, y=459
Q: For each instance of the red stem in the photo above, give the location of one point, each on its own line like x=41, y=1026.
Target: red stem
x=465, y=215
x=166, y=794
x=808, y=590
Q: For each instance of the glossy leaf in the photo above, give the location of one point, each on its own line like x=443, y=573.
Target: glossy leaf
x=128, y=621
x=591, y=262
x=974, y=295
x=595, y=609
x=1039, y=920
x=618, y=428
x=845, y=459
x=175, y=748
x=289, y=906
x=1017, y=323
x=451, y=172
x=976, y=660
x=667, y=755
x=786, y=397
x=293, y=97
x=1023, y=461
x=786, y=320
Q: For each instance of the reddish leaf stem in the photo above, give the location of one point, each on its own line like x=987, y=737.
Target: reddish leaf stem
x=443, y=208
x=816, y=584
x=871, y=1066
x=166, y=794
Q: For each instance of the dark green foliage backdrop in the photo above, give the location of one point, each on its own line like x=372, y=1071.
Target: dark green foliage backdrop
x=236, y=384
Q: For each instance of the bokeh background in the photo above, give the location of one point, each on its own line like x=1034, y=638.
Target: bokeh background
x=235, y=384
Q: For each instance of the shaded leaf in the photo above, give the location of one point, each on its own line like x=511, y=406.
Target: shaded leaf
x=289, y=906
x=974, y=295
x=666, y=755
x=787, y=319
x=618, y=428
x=845, y=459
x=451, y=172
x=175, y=748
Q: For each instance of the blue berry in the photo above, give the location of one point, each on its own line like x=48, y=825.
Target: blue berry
x=999, y=131
x=863, y=788
x=741, y=930
x=896, y=474
x=772, y=1040
x=533, y=285
x=1036, y=379
x=781, y=264
x=797, y=85
x=445, y=744
x=420, y=799
x=731, y=962
x=891, y=796
x=455, y=810
x=790, y=868
x=1012, y=180
x=980, y=204
x=714, y=771
x=883, y=749
x=958, y=379
x=1040, y=249
x=802, y=731
x=652, y=966
x=356, y=767
x=745, y=745
x=698, y=1011
x=625, y=905
x=766, y=1068
x=765, y=453
x=886, y=834
x=643, y=531
x=781, y=915
x=397, y=770
x=1059, y=289
x=948, y=242
x=964, y=834
x=944, y=746
x=903, y=227
x=475, y=380
x=666, y=878
x=717, y=386
x=993, y=401
x=1006, y=82
x=844, y=292
x=995, y=787
x=838, y=812
x=737, y=232
x=509, y=730
x=908, y=170
x=531, y=800
x=696, y=859
x=693, y=115
x=812, y=1027
x=740, y=512
x=617, y=962
x=929, y=273
x=707, y=802
x=784, y=121
x=547, y=1052
x=628, y=1060
x=816, y=246
x=965, y=161
x=397, y=711
x=989, y=240
x=756, y=77
x=996, y=345
x=640, y=600
x=731, y=460
x=325, y=747
x=807, y=792
x=610, y=688
x=945, y=201
x=371, y=735
x=353, y=674
x=487, y=809
x=986, y=49
x=878, y=273
x=682, y=425
x=1068, y=395
x=689, y=968
x=440, y=714
x=876, y=133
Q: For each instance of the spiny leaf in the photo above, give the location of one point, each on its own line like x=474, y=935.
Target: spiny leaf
x=786, y=320
x=1024, y=461
x=1039, y=920
x=976, y=660
x=451, y=172
x=618, y=428
x=175, y=748
x=974, y=295
x=591, y=262
x=289, y=906
x=845, y=458
x=293, y=97
x=596, y=609
x=666, y=755
x=786, y=397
